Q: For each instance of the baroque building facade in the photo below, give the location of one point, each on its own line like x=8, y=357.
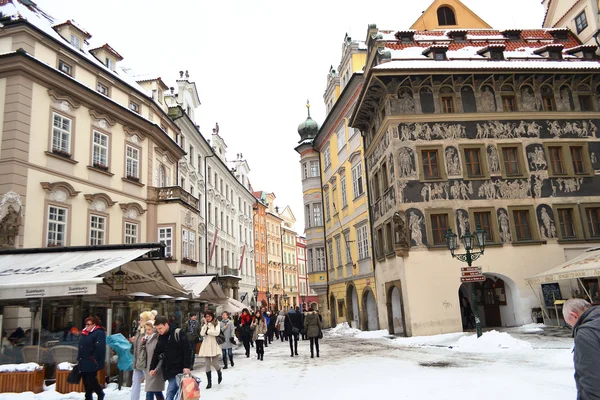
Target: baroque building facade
x=260, y=247
x=468, y=128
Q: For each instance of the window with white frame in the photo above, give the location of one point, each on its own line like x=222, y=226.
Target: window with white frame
x=314, y=169
x=327, y=209
x=57, y=226
x=343, y=189
x=347, y=244
x=162, y=176
x=102, y=88
x=97, y=230
x=132, y=160
x=110, y=64
x=184, y=244
x=363, y=242
x=341, y=139
x=131, y=233
x=135, y=107
x=192, y=245
x=65, y=67
x=327, y=157
x=330, y=251
x=100, y=150
x=165, y=236
x=61, y=134
x=338, y=245
x=357, y=180
x=75, y=41
x=318, y=220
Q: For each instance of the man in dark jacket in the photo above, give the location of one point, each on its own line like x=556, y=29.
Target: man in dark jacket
x=585, y=321
x=176, y=351
x=192, y=330
x=293, y=319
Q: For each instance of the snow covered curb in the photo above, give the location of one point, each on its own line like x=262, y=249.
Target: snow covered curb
x=26, y=367
x=344, y=329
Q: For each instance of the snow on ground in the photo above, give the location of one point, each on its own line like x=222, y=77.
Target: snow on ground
x=356, y=365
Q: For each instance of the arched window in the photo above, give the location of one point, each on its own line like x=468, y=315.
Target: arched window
x=446, y=16
x=427, y=105
x=468, y=99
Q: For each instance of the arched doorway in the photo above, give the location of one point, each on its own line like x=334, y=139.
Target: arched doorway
x=394, y=311
x=369, y=307
x=352, y=306
x=332, y=309
x=497, y=299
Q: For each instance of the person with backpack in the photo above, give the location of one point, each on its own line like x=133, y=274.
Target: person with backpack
x=293, y=325
x=227, y=330
x=210, y=349
x=174, y=351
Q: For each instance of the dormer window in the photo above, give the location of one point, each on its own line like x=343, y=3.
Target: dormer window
x=584, y=52
x=552, y=51
x=589, y=55
x=459, y=36
x=513, y=35
x=439, y=55
x=135, y=107
x=405, y=37
x=110, y=64
x=560, y=34
x=497, y=55
x=75, y=41
x=555, y=55
x=437, y=52
x=107, y=56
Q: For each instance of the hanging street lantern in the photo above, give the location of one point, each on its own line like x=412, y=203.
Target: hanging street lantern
x=119, y=281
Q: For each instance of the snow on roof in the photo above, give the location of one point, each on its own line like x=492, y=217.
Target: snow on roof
x=75, y=25
x=43, y=21
x=109, y=49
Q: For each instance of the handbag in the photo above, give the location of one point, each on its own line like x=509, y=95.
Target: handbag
x=220, y=338
x=295, y=330
x=320, y=334
x=260, y=336
x=74, y=376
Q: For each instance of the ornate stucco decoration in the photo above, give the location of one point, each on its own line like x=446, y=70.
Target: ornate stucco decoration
x=132, y=210
x=165, y=155
x=134, y=133
x=11, y=210
x=59, y=192
x=99, y=201
x=102, y=120
x=63, y=101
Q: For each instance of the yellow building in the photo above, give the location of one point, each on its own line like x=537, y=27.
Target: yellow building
x=274, y=256
x=448, y=14
x=290, y=261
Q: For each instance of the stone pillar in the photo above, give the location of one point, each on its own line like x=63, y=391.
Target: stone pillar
x=236, y=290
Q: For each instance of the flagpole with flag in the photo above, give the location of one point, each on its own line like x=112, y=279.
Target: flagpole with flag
x=212, y=248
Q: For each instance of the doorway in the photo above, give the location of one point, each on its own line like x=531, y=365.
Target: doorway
x=394, y=311
x=369, y=310
x=333, y=311
x=352, y=306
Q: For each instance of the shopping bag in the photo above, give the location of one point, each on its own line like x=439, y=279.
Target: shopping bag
x=190, y=389
x=74, y=376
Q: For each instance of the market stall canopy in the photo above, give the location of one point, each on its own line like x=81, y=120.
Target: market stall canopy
x=232, y=305
x=195, y=284
x=586, y=265
x=82, y=270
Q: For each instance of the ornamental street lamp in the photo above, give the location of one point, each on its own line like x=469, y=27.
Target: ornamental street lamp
x=469, y=241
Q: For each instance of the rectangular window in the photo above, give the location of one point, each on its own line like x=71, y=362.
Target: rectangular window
x=184, y=244
x=439, y=228
x=379, y=243
x=483, y=220
x=165, y=236
x=593, y=219
x=61, y=134
x=511, y=161
x=100, y=150
x=57, y=226
x=473, y=162
x=447, y=104
x=375, y=186
x=314, y=169
x=101, y=88
x=327, y=157
x=75, y=41
x=565, y=221
x=357, y=180
x=348, y=251
x=522, y=224
x=304, y=170
x=110, y=64
x=581, y=22
x=97, y=230
x=341, y=140
x=338, y=245
x=556, y=160
x=510, y=103
x=320, y=259
x=209, y=208
x=307, y=217
x=577, y=157
x=64, y=67
x=135, y=107
x=430, y=164
x=389, y=238
x=384, y=178
x=131, y=233
x=343, y=189
x=548, y=102
x=317, y=215
x=585, y=102
x=132, y=158
x=330, y=251
x=362, y=239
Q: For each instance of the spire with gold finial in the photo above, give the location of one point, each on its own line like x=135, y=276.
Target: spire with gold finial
x=309, y=128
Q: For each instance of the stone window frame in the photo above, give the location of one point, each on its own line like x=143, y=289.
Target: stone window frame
x=68, y=207
x=567, y=158
x=69, y=63
x=523, y=173
x=441, y=163
x=428, y=226
x=388, y=235
x=578, y=226
x=106, y=217
x=493, y=219
x=452, y=96
x=585, y=220
x=485, y=171
x=379, y=245
x=125, y=178
x=131, y=222
x=100, y=81
x=533, y=224
x=50, y=151
x=109, y=157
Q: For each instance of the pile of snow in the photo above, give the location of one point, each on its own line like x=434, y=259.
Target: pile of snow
x=373, y=334
x=65, y=366
x=343, y=329
x=26, y=367
x=443, y=340
x=530, y=328
x=491, y=342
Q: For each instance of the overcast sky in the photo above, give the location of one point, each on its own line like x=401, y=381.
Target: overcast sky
x=255, y=63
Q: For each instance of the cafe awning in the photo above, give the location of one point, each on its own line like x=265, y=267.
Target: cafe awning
x=586, y=265
x=232, y=305
x=82, y=270
x=195, y=284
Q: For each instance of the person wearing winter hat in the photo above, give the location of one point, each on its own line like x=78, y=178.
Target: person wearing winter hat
x=138, y=372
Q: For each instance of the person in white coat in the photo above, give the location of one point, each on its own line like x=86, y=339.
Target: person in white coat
x=280, y=325
x=210, y=349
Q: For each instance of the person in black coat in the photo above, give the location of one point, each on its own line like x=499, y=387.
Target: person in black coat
x=174, y=350
x=91, y=356
x=293, y=319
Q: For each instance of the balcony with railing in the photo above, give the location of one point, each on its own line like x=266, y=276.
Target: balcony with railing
x=229, y=271
x=173, y=194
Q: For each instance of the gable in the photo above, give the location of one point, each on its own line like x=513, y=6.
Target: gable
x=287, y=215
x=463, y=17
